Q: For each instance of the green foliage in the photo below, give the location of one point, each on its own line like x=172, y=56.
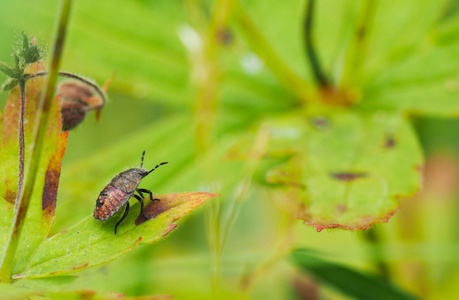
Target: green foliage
x=14, y=292
x=425, y=84
x=352, y=283
x=37, y=256
x=41, y=211
x=30, y=52
x=240, y=116
x=8, y=71
x=10, y=84
x=91, y=242
x=88, y=243
x=349, y=168
x=27, y=54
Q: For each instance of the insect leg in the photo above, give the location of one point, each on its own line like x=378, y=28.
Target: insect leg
x=126, y=211
x=148, y=192
x=141, y=205
x=140, y=193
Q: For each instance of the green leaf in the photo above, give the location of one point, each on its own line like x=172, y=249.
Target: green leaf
x=45, y=282
x=10, y=84
x=18, y=291
x=7, y=70
x=30, y=53
x=25, y=42
x=8, y=291
x=398, y=28
x=426, y=84
x=91, y=242
x=349, y=168
x=6, y=218
x=40, y=215
x=16, y=60
x=160, y=58
x=350, y=282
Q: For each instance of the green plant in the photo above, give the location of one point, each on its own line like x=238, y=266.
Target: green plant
x=286, y=109
x=28, y=207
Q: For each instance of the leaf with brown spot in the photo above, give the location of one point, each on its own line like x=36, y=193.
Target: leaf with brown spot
x=346, y=174
x=37, y=224
x=91, y=242
x=53, y=173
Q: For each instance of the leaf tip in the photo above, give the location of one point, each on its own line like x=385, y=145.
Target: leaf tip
x=169, y=229
x=18, y=276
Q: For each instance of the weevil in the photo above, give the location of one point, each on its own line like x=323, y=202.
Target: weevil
x=120, y=189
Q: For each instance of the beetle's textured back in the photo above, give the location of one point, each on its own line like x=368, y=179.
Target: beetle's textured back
x=128, y=180
x=118, y=192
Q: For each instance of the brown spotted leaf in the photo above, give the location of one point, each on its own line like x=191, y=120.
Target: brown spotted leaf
x=51, y=183
x=350, y=168
x=40, y=214
x=91, y=242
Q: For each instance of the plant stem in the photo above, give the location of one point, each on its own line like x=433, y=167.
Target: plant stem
x=73, y=76
x=262, y=48
x=206, y=103
x=21, y=140
x=358, y=47
x=317, y=71
x=373, y=238
x=44, y=111
x=255, y=156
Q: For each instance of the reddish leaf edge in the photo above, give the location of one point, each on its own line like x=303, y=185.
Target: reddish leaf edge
x=366, y=220
x=370, y=220
x=302, y=215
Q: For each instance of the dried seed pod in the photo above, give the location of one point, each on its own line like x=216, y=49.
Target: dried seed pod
x=77, y=98
x=72, y=114
x=75, y=91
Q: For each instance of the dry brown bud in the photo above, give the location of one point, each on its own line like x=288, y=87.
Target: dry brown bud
x=72, y=115
x=77, y=99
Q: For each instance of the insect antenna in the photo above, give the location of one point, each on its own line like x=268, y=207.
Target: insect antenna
x=163, y=163
x=141, y=160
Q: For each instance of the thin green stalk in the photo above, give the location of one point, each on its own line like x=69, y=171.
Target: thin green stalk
x=319, y=75
x=193, y=10
x=256, y=154
x=209, y=84
x=377, y=252
x=44, y=112
x=220, y=227
x=262, y=48
x=21, y=139
x=206, y=103
x=282, y=246
x=358, y=47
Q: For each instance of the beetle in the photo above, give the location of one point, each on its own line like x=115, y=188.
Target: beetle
x=120, y=189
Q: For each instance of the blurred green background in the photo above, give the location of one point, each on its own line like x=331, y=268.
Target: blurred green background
x=153, y=106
